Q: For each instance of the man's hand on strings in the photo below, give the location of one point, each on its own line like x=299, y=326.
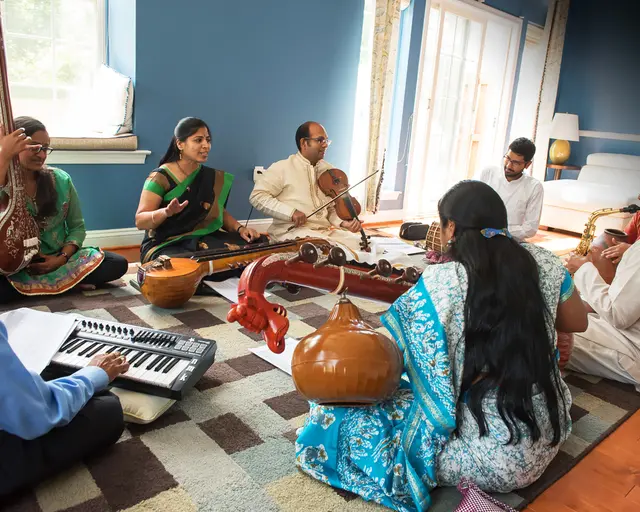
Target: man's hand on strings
x=298, y=218
x=248, y=234
x=175, y=207
x=353, y=225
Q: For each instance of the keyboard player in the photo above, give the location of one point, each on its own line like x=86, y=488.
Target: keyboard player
x=45, y=427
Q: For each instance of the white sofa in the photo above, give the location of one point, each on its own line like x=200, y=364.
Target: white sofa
x=608, y=180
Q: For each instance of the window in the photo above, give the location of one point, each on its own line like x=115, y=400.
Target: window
x=54, y=48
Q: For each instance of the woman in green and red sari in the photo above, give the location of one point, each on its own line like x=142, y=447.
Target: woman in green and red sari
x=52, y=200
x=182, y=204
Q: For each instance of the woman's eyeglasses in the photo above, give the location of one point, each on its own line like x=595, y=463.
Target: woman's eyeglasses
x=47, y=150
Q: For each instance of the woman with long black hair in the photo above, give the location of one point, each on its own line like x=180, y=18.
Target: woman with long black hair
x=483, y=396
x=182, y=205
x=64, y=261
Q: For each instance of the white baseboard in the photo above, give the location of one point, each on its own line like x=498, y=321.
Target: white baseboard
x=133, y=236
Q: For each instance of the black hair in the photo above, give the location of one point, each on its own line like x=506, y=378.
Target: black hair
x=507, y=325
x=184, y=129
x=46, y=193
x=303, y=131
x=523, y=146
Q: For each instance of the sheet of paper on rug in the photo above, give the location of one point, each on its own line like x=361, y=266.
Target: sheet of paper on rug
x=394, y=245
x=281, y=361
x=35, y=336
x=228, y=288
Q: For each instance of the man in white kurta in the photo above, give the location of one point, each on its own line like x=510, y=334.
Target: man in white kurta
x=522, y=194
x=288, y=191
x=610, y=347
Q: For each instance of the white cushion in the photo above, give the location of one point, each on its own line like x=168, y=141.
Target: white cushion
x=616, y=160
x=587, y=196
x=610, y=176
x=141, y=408
x=112, y=102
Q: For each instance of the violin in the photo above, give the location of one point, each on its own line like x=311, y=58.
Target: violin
x=332, y=183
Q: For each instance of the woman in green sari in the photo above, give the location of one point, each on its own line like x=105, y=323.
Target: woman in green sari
x=182, y=205
x=52, y=200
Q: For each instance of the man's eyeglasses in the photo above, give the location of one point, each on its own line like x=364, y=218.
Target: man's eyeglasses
x=47, y=150
x=320, y=140
x=514, y=162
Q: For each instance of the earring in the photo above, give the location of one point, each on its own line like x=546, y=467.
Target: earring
x=180, y=156
x=450, y=242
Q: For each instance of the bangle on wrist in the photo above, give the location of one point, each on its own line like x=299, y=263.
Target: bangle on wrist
x=64, y=255
x=240, y=226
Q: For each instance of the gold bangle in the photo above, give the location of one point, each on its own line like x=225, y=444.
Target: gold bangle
x=153, y=222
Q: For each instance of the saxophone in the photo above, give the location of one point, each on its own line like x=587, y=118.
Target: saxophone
x=590, y=227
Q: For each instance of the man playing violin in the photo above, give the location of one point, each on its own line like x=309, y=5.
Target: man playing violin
x=288, y=191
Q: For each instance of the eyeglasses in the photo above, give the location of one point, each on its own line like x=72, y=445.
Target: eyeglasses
x=320, y=140
x=37, y=149
x=514, y=162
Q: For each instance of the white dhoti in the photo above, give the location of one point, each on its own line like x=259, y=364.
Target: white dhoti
x=603, y=351
x=610, y=347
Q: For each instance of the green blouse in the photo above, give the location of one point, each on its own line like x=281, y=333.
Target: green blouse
x=66, y=226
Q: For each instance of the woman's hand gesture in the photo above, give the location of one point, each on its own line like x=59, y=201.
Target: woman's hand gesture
x=175, y=207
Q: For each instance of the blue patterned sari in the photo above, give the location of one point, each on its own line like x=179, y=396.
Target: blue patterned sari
x=397, y=452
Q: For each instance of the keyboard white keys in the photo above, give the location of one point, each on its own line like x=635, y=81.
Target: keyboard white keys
x=83, y=353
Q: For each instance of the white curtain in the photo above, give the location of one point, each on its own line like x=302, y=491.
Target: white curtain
x=385, y=45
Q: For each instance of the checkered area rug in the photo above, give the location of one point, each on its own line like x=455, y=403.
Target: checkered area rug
x=229, y=445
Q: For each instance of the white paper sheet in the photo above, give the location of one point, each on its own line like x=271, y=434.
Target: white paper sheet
x=35, y=336
x=394, y=245
x=281, y=361
x=228, y=288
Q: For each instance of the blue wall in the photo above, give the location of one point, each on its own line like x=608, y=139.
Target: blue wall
x=600, y=75
x=532, y=11
x=254, y=70
x=121, y=36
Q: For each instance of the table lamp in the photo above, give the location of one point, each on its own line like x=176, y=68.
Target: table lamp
x=564, y=128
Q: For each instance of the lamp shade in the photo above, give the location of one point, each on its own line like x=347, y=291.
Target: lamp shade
x=565, y=127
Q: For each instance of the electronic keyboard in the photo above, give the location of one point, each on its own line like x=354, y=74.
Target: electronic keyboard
x=161, y=363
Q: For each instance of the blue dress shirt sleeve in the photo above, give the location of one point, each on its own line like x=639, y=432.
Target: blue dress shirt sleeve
x=31, y=407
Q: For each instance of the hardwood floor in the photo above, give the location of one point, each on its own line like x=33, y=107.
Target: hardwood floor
x=608, y=479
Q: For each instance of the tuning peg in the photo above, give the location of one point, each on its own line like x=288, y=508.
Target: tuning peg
x=409, y=275
x=383, y=268
x=307, y=253
x=336, y=257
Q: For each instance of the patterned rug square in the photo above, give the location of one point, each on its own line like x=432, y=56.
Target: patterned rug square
x=229, y=444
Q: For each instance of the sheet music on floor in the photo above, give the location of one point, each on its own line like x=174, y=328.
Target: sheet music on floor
x=281, y=361
x=35, y=336
x=394, y=245
x=228, y=288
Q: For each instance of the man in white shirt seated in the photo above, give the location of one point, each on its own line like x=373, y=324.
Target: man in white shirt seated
x=522, y=194
x=610, y=347
x=46, y=427
x=288, y=191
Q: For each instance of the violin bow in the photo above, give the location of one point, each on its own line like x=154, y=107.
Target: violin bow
x=338, y=196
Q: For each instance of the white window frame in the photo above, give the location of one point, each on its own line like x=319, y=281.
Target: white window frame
x=90, y=156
